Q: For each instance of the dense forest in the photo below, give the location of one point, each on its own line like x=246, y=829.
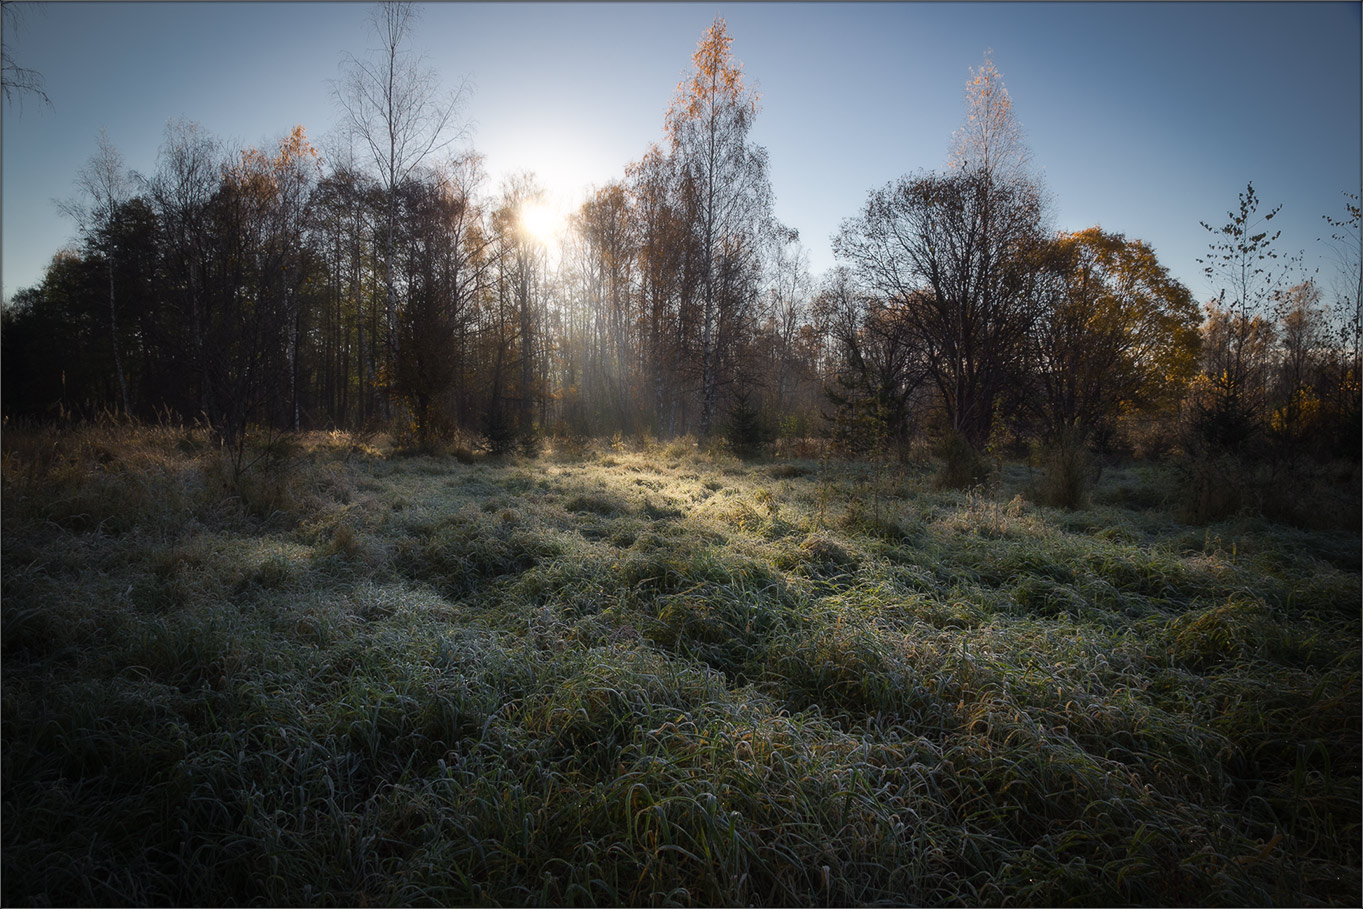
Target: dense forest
x=381, y=283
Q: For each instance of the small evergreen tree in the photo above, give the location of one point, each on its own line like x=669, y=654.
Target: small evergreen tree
x=746, y=431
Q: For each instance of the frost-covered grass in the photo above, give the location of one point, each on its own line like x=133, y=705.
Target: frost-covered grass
x=657, y=676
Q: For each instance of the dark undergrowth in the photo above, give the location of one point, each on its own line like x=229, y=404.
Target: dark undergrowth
x=657, y=677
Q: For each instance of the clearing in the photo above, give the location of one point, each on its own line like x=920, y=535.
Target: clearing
x=620, y=675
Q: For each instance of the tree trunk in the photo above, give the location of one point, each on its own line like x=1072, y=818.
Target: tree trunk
x=113, y=337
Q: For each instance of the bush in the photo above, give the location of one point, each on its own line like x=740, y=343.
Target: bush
x=962, y=466
x=1068, y=474
x=1213, y=486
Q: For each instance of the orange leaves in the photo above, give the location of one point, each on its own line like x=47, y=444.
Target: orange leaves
x=715, y=83
x=1121, y=319
x=991, y=138
x=295, y=146
x=251, y=176
x=260, y=175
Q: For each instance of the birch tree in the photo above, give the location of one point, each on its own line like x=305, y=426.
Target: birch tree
x=1243, y=259
x=17, y=81
x=948, y=252
x=991, y=140
x=395, y=107
x=725, y=181
x=104, y=187
x=186, y=178
x=665, y=280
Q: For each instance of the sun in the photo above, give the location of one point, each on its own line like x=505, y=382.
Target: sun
x=542, y=222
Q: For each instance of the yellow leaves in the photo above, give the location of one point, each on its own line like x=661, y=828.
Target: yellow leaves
x=295, y=146
x=715, y=83
x=1349, y=383
x=1118, y=316
x=1299, y=414
x=261, y=176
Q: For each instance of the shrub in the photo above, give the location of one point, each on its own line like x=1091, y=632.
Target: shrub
x=1068, y=474
x=266, y=481
x=1213, y=486
x=962, y=466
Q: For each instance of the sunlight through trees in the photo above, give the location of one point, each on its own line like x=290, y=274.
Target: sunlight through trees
x=379, y=282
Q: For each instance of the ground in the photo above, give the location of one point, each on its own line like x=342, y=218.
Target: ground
x=643, y=674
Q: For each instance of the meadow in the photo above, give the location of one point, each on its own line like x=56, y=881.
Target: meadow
x=645, y=674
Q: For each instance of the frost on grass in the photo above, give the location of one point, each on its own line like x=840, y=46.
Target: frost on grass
x=658, y=676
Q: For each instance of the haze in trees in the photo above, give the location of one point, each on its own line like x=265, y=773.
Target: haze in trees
x=380, y=283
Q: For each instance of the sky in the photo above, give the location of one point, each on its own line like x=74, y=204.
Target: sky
x=1143, y=118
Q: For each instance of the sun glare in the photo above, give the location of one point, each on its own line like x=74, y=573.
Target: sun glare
x=542, y=222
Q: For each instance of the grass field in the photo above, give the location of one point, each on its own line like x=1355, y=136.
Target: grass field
x=655, y=676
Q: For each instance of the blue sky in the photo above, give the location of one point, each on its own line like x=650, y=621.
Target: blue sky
x=1145, y=118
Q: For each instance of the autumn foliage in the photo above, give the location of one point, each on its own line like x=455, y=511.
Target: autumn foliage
x=382, y=284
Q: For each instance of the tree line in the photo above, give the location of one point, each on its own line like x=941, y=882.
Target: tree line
x=379, y=283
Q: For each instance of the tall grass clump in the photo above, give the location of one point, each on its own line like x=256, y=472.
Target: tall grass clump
x=101, y=476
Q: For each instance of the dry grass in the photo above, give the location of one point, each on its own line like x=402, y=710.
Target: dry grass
x=651, y=674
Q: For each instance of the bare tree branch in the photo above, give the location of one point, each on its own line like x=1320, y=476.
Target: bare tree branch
x=17, y=81
x=393, y=105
